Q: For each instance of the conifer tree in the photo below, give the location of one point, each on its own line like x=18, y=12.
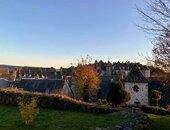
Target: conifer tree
x=117, y=94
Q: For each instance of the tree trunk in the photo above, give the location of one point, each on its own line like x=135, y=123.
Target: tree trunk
x=157, y=104
x=86, y=94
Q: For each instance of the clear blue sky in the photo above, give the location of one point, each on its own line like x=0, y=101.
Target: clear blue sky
x=57, y=32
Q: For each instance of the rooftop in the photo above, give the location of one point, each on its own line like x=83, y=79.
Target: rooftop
x=136, y=76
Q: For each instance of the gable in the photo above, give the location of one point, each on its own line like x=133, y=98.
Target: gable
x=135, y=76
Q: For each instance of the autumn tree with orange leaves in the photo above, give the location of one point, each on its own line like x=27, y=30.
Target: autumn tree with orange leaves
x=86, y=79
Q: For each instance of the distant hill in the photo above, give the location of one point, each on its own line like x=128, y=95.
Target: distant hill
x=9, y=66
x=14, y=66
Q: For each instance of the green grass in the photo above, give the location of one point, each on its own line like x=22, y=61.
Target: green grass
x=49, y=119
x=159, y=122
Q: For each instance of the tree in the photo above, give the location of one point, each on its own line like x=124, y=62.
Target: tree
x=157, y=19
x=156, y=95
x=117, y=94
x=86, y=79
x=28, y=110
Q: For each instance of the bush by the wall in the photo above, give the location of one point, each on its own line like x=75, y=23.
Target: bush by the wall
x=54, y=101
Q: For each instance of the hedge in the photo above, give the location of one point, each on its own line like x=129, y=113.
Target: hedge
x=54, y=101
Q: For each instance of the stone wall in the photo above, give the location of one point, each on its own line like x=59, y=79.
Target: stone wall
x=140, y=121
x=141, y=96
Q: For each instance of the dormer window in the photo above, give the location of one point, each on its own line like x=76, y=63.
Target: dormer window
x=135, y=88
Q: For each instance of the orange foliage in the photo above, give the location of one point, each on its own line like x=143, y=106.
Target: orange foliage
x=85, y=74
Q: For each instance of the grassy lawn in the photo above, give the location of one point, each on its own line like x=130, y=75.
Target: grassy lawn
x=49, y=119
x=160, y=122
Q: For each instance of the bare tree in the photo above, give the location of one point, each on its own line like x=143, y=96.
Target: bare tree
x=161, y=53
x=156, y=16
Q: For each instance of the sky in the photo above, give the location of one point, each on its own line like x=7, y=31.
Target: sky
x=47, y=33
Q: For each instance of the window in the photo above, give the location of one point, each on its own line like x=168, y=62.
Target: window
x=135, y=88
x=137, y=103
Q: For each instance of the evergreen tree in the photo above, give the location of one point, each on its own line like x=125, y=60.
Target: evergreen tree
x=117, y=94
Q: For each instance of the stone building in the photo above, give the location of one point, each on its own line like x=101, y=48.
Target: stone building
x=119, y=69
x=133, y=75
x=38, y=72
x=137, y=85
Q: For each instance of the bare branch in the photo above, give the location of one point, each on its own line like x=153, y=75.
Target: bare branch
x=157, y=20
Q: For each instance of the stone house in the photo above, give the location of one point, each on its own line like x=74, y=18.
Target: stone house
x=137, y=85
x=38, y=72
x=120, y=69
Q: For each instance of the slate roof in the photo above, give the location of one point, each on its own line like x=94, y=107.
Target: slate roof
x=119, y=65
x=135, y=76
x=66, y=71
x=4, y=83
x=104, y=87
x=129, y=66
x=41, y=85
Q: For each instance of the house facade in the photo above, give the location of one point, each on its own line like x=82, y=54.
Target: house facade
x=119, y=69
x=133, y=75
x=137, y=85
x=135, y=82
x=38, y=72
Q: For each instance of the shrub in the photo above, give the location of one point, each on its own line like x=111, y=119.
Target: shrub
x=54, y=101
x=117, y=94
x=28, y=110
x=102, y=102
x=156, y=95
